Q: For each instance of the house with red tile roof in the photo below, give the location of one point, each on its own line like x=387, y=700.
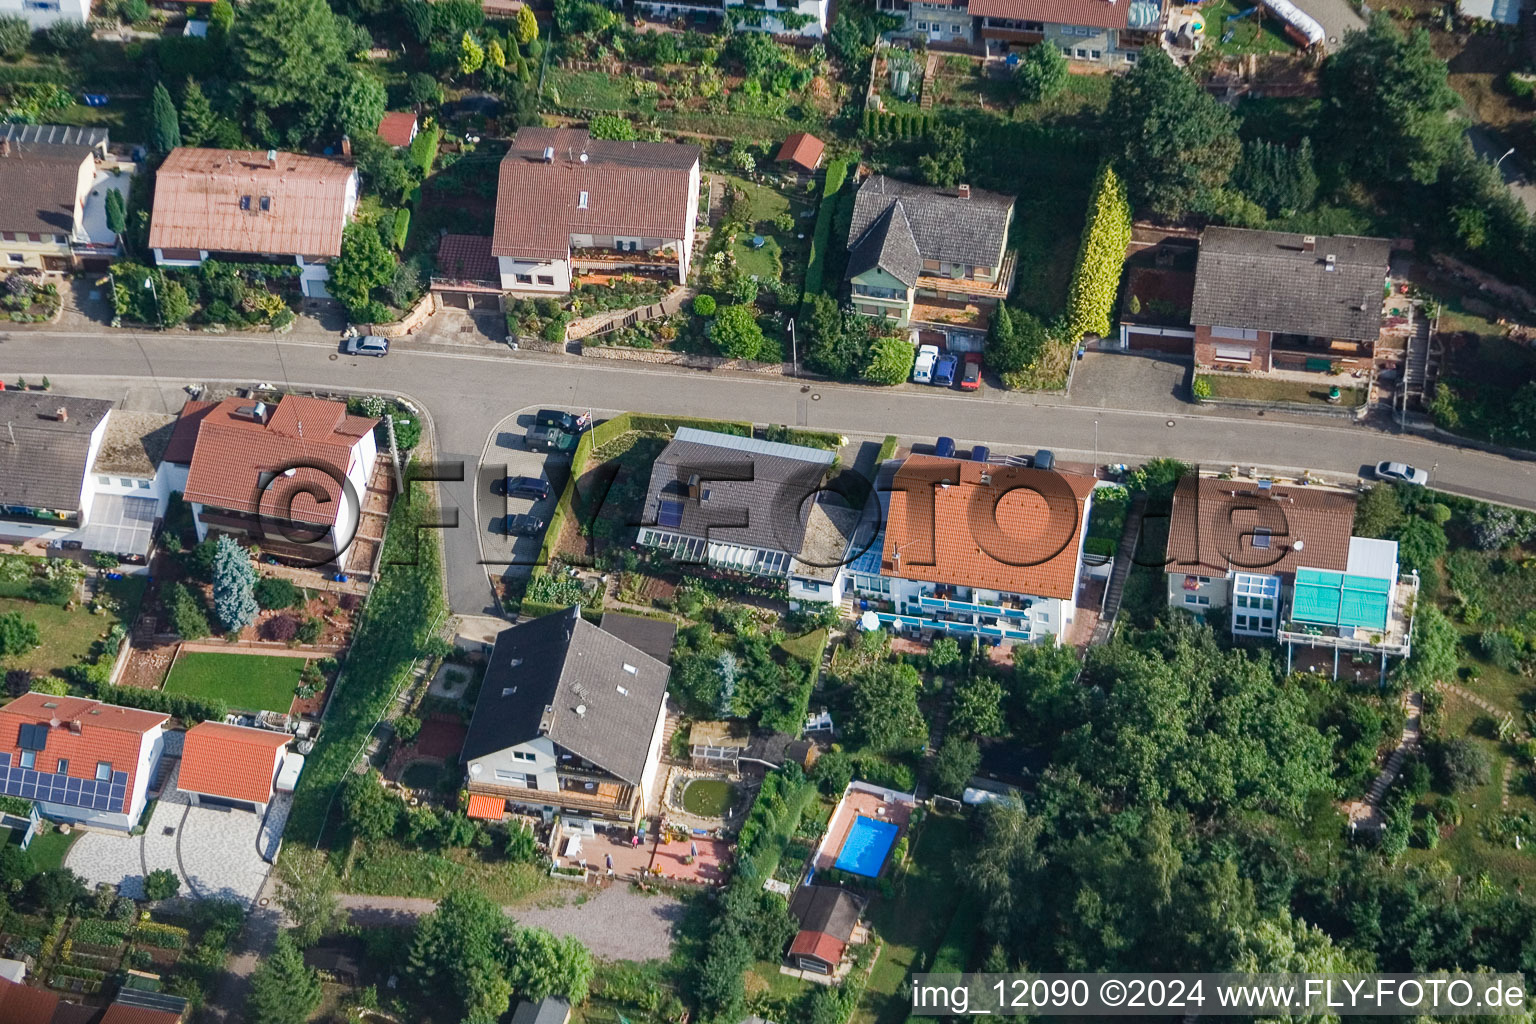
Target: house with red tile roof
x=398, y=128
x=290, y=477
x=566, y=202
x=231, y=765
x=80, y=760
x=237, y=204
x=23, y=1004
x=1099, y=32
x=977, y=549
x=803, y=150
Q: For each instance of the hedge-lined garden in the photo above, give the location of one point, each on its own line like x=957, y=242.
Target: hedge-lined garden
x=1096, y=278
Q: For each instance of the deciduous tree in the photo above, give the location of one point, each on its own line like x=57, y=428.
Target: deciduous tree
x=15, y=34
x=307, y=893
x=371, y=812
x=542, y=965
x=955, y=763
x=364, y=265
x=1042, y=73
x=884, y=715
x=735, y=332
x=890, y=360
x=17, y=635
x=459, y=953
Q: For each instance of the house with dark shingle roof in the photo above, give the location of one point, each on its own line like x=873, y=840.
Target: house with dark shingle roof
x=241, y=204
x=45, y=177
x=919, y=254
x=977, y=549
x=291, y=477
x=566, y=202
x=828, y=916
x=47, y=444
x=750, y=506
x=549, y=1010
x=569, y=720
x=1273, y=300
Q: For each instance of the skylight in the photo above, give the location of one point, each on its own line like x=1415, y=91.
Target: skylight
x=581, y=203
x=1261, y=536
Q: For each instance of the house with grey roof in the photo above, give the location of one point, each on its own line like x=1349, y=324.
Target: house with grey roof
x=569, y=720
x=937, y=257
x=1273, y=300
x=46, y=173
x=751, y=506
x=47, y=444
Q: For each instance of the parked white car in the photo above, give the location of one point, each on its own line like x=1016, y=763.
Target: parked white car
x=1401, y=471
x=367, y=345
x=922, y=370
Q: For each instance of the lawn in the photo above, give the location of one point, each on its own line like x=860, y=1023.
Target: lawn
x=915, y=921
x=388, y=868
x=47, y=851
x=784, y=250
x=597, y=90
x=251, y=682
x=67, y=636
x=1249, y=35
x=1266, y=390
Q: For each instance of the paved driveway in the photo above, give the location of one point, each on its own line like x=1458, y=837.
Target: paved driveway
x=217, y=853
x=1113, y=378
x=507, y=455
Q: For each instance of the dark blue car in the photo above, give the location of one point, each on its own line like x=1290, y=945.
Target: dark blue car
x=944, y=371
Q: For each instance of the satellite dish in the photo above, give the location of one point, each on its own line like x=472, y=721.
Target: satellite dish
x=1298, y=546
x=474, y=769
x=869, y=622
x=581, y=709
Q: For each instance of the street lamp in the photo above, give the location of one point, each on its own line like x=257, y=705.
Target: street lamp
x=1095, y=449
x=149, y=282
x=1502, y=158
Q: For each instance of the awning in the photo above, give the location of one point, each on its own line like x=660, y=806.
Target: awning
x=120, y=524
x=489, y=808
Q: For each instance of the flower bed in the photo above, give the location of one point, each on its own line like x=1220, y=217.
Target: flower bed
x=27, y=299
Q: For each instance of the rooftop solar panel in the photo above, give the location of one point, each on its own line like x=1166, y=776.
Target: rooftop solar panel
x=670, y=514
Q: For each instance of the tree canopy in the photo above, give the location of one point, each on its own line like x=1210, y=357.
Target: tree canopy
x=291, y=69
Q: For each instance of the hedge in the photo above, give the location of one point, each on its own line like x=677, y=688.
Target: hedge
x=402, y=227
x=821, y=236
x=1100, y=259
x=396, y=624
x=177, y=705
x=424, y=149
x=887, y=449
x=775, y=814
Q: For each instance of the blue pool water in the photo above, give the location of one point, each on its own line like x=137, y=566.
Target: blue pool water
x=865, y=849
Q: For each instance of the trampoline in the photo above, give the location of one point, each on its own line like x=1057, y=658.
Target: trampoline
x=865, y=849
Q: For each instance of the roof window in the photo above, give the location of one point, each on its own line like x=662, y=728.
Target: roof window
x=266, y=203
x=632, y=670
x=581, y=202
x=245, y=202
x=1261, y=536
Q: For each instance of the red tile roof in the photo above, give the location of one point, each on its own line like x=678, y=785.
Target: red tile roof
x=632, y=188
x=1090, y=13
x=467, y=258
x=199, y=194
x=22, y=1004
x=184, y=435
x=820, y=945
x=230, y=761
x=1214, y=522
x=398, y=128
x=491, y=808
x=1020, y=533
x=801, y=149
x=235, y=454
x=117, y=1013
x=107, y=733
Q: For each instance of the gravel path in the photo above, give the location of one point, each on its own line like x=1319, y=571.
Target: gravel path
x=617, y=923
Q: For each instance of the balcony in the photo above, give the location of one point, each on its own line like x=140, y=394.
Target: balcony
x=464, y=284
x=614, y=798
x=600, y=258
x=996, y=290
x=973, y=608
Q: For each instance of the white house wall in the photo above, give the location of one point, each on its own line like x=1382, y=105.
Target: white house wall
x=559, y=271
x=43, y=13
x=538, y=772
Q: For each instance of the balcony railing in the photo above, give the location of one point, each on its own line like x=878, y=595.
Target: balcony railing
x=627, y=258
x=619, y=803
x=467, y=284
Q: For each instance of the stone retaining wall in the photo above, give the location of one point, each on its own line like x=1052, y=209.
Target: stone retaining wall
x=1354, y=414
x=690, y=360
x=422, y=312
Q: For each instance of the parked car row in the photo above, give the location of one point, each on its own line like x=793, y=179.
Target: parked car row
x=942, y=369
x=944, y=448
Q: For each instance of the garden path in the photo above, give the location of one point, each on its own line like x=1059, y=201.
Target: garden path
x=1366, y=814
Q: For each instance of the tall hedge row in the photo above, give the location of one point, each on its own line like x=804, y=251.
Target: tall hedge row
x=821, y=237
x=1100, y=259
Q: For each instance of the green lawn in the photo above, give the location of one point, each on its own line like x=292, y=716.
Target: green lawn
x=915, y=921
x=597, y=90
x=784, y=252
x=67, y=636
x=1249, y=35
x=251, y=682
x=389, y=868
x=807, y=647
x=1265, y=390
x=47, y=851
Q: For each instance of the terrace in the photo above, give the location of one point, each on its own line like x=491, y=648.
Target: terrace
x=950, y=313
x=864, y=814
x=583, y=258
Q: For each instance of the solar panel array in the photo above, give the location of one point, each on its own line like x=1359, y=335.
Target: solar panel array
x=96, y=794
x=670, y=514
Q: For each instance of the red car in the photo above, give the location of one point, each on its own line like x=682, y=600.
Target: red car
x=970, y=378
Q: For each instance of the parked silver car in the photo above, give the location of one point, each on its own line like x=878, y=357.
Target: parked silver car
x=367, y=345
x=1401, y=471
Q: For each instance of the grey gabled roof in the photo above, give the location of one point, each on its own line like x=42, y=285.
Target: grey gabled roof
x=55, y=135
x=653, y=636
x=756, y=490
x=42, y=458
x=826, y=909
x=549, y=1010
x=943, y=225
x=889, y=245
x=562, y=677
x=1267, y=281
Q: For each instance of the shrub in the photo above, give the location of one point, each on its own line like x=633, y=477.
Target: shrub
x=309, y=630
x=1202, y=387
x=281, y=628
x=161, y=884
x=274, y=592
x=186, y=612
x=1100, y=259
x=704, y=305
x=1459, y=764
x=1520, y=87
x=890, y=360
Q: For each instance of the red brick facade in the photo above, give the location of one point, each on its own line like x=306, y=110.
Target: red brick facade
x=1218, y=353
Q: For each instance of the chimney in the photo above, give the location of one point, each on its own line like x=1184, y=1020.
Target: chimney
x=1309, y=243
x=693, y=487
x=75, y=727
x=965, y=191
x=346, y=145
x=1331, y=260
x=61, y=414
x=272, y=159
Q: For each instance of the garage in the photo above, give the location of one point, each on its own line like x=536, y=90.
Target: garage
x=1153, y=339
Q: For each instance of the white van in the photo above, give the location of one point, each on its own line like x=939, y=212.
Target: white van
x=922, y=370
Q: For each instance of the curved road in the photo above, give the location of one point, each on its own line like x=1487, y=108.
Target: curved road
x=468, y=391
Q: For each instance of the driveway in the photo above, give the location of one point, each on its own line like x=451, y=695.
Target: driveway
x=1337, y=17
x=217, y=853
x=617, y=923
x=1114, y=378
x=506, y=455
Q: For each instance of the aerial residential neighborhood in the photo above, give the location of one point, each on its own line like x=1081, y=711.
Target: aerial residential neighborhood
x=668, y=511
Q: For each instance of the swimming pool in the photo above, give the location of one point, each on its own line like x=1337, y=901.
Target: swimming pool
x=865, y=849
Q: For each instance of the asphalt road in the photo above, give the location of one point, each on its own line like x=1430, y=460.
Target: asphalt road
x=468, y=394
